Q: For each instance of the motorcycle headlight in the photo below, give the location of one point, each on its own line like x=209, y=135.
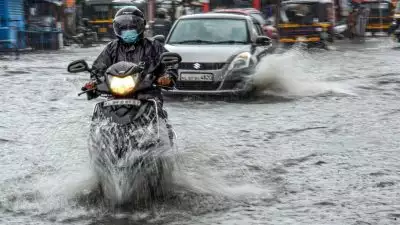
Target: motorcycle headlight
x=122, y=86
x=240, y=61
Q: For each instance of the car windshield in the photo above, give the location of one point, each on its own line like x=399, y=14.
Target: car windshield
x=304, y=13
x=100, y=12
x=210, y=31
x=378, y=9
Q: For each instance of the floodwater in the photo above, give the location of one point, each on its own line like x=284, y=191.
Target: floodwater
x=325, y=151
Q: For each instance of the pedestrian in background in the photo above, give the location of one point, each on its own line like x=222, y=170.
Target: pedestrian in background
x=161, y=25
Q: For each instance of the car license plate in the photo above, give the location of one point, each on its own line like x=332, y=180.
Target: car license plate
x=196, y=77
x=123, y=102
x=301, y=39
x=102, y=30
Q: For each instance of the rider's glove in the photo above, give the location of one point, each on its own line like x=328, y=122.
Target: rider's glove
x=165, y=80
x=90, y=87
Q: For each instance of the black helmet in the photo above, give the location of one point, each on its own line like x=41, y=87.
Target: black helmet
x=85, y=21
x=129, y=17
x=161, y=13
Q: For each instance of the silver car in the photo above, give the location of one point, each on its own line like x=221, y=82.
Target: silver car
x=218, y=52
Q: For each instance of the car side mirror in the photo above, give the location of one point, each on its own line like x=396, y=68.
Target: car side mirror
x=78, y=66
x=170, y=58
x=263, y=41
x=160, y=38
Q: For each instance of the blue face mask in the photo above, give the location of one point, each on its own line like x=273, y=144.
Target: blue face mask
x=129, y=36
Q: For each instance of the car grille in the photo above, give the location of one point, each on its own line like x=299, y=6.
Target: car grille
x=205, y=86
x=203, y=66
x=197, y=85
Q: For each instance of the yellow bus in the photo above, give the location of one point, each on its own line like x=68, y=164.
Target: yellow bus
x=101, y=13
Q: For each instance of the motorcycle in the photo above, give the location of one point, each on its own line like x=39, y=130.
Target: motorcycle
x=394, y=30
x=129, y=135
x=85, y=35
x=339, y=31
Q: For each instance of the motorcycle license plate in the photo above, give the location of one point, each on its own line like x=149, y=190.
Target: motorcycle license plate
x=196, y=77
x=122, y=102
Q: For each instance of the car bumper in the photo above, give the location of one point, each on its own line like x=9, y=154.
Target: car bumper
x=377, y=27
x=297, y=39
x=233, y=84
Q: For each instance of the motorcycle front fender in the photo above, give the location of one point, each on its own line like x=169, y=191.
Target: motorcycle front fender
x=127, y=114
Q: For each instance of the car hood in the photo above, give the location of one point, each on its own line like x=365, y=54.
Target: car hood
x=207, y=53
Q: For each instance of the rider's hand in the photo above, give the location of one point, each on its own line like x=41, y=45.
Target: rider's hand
x=164, y=80
x=88, y=86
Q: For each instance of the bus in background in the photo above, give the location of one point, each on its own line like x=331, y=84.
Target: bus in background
x=101, y=13
x=209, y=5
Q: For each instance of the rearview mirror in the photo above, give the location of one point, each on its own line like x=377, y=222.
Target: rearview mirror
x=160, y=38
x=263, y=41
x=170, y=58
x=78, y=66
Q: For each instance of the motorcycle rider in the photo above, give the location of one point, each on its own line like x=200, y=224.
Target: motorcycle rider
x=131, y=45
x=161, y=24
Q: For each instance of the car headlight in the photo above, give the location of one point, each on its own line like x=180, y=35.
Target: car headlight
x=240, y=61
x=122, y=86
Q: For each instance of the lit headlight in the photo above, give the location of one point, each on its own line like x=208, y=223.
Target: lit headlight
x=122, y=85
x=240, y=61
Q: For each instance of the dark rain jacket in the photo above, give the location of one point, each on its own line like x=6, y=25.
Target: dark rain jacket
x=145, y=50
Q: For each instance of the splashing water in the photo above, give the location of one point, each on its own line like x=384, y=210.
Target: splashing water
x=286, y=75
x=131, y=164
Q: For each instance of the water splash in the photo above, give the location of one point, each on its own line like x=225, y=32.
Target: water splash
x=131, y=162
x=289, y=75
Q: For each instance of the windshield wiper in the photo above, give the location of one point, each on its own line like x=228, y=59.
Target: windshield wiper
x=230, y=42
x=192, y=41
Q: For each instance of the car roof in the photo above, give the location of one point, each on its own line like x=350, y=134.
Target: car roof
x=212, y=15
x=304, y=1
x=238, y=10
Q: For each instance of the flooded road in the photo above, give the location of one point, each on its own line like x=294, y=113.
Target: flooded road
x=328, y=154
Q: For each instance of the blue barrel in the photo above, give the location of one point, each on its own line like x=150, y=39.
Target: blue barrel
x=12, y=23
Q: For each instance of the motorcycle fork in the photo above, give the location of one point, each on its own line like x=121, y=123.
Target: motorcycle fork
x=171, y=132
